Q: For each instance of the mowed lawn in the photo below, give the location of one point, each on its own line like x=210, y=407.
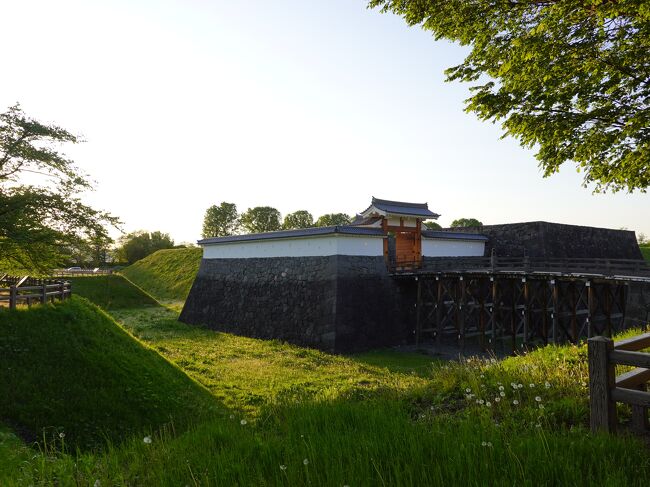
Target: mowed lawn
x=296, y=416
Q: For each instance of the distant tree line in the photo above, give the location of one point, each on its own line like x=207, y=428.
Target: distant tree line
x=223, y=220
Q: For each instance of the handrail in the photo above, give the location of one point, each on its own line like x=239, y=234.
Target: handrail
x=605, y=389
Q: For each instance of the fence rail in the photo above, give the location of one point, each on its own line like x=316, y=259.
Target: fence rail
x=81, y=272
x=608, y=267
x=27, y=290
x=606, y=389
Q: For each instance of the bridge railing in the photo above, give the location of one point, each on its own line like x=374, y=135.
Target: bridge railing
x=610, y=267
x=606, y=389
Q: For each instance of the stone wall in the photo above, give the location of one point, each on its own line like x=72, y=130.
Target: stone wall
x=556, y=240
x=335, y=303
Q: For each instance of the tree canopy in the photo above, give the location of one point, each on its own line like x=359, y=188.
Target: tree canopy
x=298, y=219
x=332, y=219
x=466, y=222
x=220, y=221
x=137, y=245
x=569, y=78
x=261, y=219
x=39, y=221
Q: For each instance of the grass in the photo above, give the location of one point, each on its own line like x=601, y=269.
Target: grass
x=645, y=250
x=378, y=418
x=166, y=274
x=69, y=368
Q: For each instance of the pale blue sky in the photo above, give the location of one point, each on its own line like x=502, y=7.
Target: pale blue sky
x=315, y=105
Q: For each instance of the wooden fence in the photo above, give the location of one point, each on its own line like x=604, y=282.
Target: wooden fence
x=27, y=290
x=606, y=389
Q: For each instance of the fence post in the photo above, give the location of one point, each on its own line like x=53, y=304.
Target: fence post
x=12, y=297
x=602, y=380
x=62, y=290
x=639, y=421
x=44, y=294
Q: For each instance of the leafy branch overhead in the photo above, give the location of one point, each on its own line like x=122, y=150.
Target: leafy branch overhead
x=569, y=78
x=39, y=222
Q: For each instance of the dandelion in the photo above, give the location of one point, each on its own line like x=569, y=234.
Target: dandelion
x=482, y=376
x=541, y=406
x=481, y=401
x=488, y=404
x=147, y=440
x=514, y=386
x=484, y=443
x=468, y=390
x=520, y=386
x=243, y=422
x=531, y=385
x=97, y=483
x=497, y=399
x=547, y=385
x=502, y=394
x=501, y=388
x=489, y=444
x=515, y=402
x=305, y=462
x=584, y=384
x=232, y=416
x=283, y=467
x=538, y=399
x=62, y=435
x=538, y=425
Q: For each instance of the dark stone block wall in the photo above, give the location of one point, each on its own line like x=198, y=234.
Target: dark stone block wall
x=556, y=240
x=335, y=303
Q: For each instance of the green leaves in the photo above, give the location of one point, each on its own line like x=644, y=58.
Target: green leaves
x=571, y=79
x=220, y=221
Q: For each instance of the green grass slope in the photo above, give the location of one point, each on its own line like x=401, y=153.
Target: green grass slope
x=645, y=250
x=69, y=368
x=166, y=274
x=110, y=292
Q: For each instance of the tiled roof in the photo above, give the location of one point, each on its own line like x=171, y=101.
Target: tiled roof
x=403, y=208
x=303, y=232
x=453, y=235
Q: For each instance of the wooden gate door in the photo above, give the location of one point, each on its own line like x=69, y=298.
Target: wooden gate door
x=407, y=250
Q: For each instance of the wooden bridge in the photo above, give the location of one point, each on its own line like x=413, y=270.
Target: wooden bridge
x=510, y=304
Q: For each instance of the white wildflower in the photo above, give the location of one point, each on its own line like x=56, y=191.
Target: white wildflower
x=501, y=388
x=547, y=384
x=305, y=462
x=489, y=444
x=488, y=404
x=62, y=435
x=484, y=443
x=243, y=422
x=97, y=483
x=283, y=467
x=147, y=440
x=502, y=394
x=468, y=390
x=497, y=399
x=531, y=385
x=538, y=399
x=541, y=406
x=515, y=402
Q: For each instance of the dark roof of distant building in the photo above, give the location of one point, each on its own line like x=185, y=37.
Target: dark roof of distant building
x=362, y=220
x=453, y=235
x=302, y=232
x=403, y=208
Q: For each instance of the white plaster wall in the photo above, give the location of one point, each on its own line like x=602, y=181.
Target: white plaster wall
x=438, y=247
x=297, y=247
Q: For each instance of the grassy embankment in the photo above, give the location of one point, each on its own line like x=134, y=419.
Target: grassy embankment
x=166, y=274
x=375, y=419
x=645, y=250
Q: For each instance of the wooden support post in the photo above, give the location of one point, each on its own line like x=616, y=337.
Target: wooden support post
x=554, y=316
x=544, y=301
x=461, y=315
x=574, y=317
x=513, y=315
x=602, y=380
x=590, y=307
x=639, y=421
x=439, y=309
x=607, y=305
x=481, y=314
x=418, y=312
x=495, y=310
x=526, y=311
x=44, y=294
x=13, y=294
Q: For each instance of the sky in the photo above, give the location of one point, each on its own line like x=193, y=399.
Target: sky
x=315, y=105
